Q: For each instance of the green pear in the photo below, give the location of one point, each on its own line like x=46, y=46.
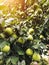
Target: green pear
x=29, y=51
x=36, y=56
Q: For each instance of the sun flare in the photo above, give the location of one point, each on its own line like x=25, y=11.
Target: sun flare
x=10, y=4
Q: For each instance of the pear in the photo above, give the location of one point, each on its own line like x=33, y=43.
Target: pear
x=29, y=51
x=6, y=48
x=36, y=56
x=8, y=31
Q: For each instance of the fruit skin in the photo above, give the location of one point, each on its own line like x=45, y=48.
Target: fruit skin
x=30, y=37
x=29, y=2
x=29, y=52
x=2, y=35
x=21, y=40
x=14, y=36
x=38, y=11
x=8, y=31
x=41, y=36
x=31, y=30
x=6, y=48
x=36, y=56
x=35, y=6
x=34, y=63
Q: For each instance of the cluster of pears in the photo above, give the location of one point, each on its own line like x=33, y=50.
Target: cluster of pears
x=7, y=32
x=35, y=56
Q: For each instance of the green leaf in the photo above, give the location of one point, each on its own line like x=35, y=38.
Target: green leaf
x=3, y=43
x=23, y=62
x=3, y=24
x=20, y=52
x=35, y=46
x=37, y=41
x=42, y=1
x=39, y=46
x=14, y=60
x=8, y=61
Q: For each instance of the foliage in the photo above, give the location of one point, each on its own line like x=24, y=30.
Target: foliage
x=30, y=29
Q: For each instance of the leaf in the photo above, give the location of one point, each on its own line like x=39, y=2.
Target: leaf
x=37, y=41
x=42, y=1
x=42, y=45
x=1, y=19
x=23, y=62
x=14, y=60
x=3, y=24
x=3, y=43
x=19, y=50
x=38, y=45
x=19, y=63
x=8, y=61
x=3, y=7
x=35, y=46
x=8, y=21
